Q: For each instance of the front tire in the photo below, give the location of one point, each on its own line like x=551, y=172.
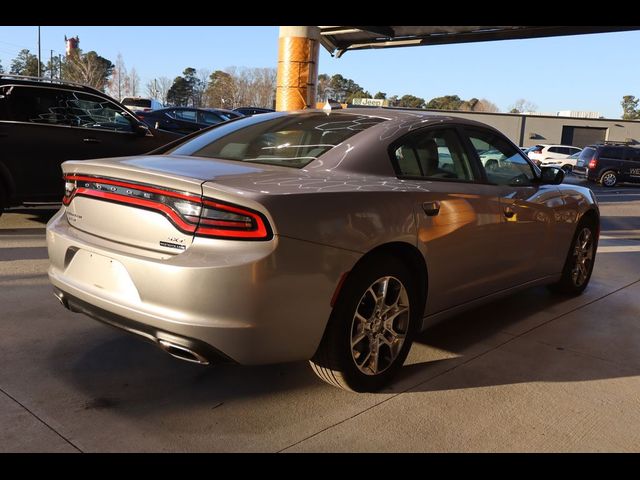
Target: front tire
x=371, y=327
x=578, y=266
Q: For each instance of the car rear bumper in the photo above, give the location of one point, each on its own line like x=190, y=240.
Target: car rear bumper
x=248, y=302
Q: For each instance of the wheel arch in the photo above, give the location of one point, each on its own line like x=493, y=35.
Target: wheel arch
x=409, y=255
x=593, y=215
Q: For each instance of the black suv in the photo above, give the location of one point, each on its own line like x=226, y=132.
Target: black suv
x=609, y=164
x=43, y=123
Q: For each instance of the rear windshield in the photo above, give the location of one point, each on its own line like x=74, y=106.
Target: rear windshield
x=137, y=102
x=288, y=141
x=587, y=153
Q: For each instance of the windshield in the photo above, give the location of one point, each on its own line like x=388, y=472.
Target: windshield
x=284, y=140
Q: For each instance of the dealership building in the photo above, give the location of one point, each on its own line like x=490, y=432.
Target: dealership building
x=527, y=130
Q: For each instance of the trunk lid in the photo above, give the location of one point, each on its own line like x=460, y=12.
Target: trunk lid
x=149, y=202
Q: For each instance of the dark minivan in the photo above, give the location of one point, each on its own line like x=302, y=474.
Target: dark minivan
x=44, y=122
x=609, y=164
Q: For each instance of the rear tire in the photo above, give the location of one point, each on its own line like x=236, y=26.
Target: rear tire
x=581, y=257
x=609, y=179
x=371, y=327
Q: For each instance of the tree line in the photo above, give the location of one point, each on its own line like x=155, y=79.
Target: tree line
x=344, y=90
x=229, y=88
x=238, y=86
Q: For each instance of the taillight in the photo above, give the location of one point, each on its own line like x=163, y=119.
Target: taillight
x=69, y=189
x=189, y=213
x=224, y=220
x=593, y=163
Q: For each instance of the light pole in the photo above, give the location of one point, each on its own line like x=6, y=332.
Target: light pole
x=39, y=56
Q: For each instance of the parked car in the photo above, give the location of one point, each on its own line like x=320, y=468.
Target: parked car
x=330, y=236
x=609, y=164
x=185, y=120
x=43, y=123
x=139, y=104
x=565, y=164
x=248, y=111
x=551, y=153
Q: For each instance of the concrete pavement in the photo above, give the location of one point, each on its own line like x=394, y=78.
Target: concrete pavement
x=532, y=372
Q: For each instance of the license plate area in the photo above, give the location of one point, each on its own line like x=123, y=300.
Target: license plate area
x=98, y=272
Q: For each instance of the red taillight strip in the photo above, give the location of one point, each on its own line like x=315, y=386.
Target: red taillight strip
x=139, y=202
x=144, y=188
x=261, y=232
x=230, y=229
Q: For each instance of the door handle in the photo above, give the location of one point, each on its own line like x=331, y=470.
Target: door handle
x=508, y=212
x=431, y=208
x=91, y=140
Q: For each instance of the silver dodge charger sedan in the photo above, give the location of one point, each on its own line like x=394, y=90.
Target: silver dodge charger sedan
x=333, y=237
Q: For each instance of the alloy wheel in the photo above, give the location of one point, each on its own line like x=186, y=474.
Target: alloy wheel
x=583, y=255
x=380, y=325
x=609, y=179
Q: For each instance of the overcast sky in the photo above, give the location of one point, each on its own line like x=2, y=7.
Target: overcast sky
x=583, y=72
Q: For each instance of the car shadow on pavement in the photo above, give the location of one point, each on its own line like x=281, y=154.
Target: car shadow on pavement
x=501, y=328
x=31, y=215
x=119, y=370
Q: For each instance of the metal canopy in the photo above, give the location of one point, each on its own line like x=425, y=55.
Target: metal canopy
x=338, y=39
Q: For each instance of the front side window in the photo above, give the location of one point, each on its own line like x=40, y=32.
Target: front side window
x=186, y=115
x=434, y=154
x=287, y=140
x=91, y=111
x=503, y=163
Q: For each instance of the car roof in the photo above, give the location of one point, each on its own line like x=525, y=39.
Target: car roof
x=10, y=79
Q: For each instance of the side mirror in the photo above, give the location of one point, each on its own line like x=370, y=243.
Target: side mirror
x=141, y=129
x=552, y=175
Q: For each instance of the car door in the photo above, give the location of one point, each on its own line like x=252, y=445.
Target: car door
x=35, y=138
x=458, y=216
x=526, y=239
x=634, y=164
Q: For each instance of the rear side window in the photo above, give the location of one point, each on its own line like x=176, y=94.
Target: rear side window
x=634, y=154
x=432, y=154
x=210, y=118
x=556, y=149
x=613, y=153
x=36, y=105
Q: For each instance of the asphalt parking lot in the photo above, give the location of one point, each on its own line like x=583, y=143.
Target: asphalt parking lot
x=533, y=372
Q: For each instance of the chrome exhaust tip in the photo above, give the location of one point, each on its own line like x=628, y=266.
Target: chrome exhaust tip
x=183, y=353
x=60, y=296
